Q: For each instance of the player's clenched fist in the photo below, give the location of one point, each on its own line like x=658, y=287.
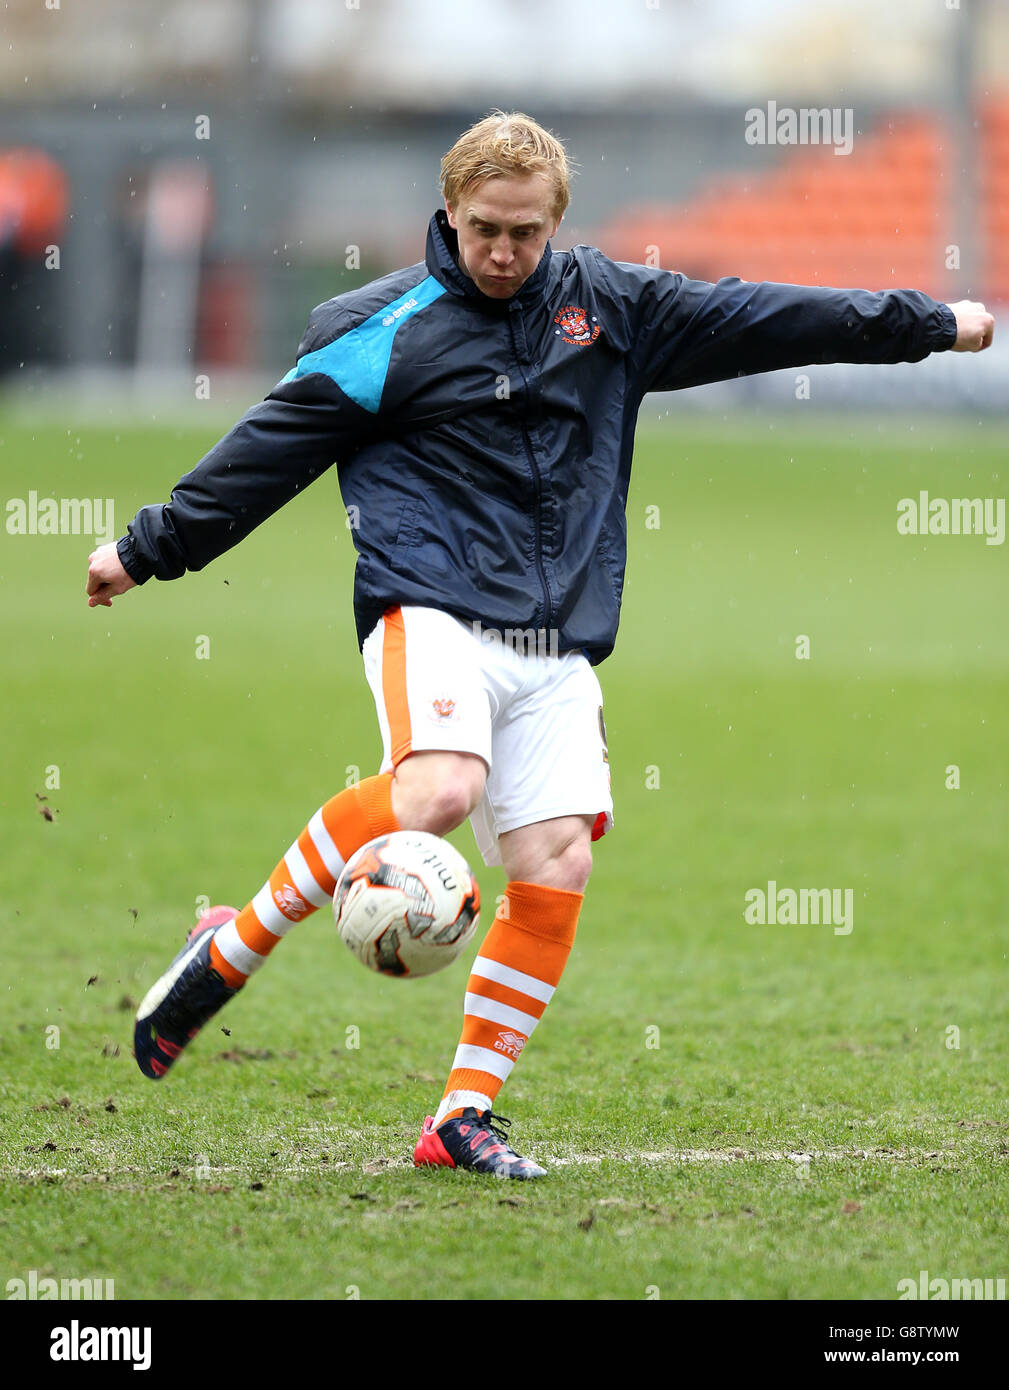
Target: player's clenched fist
x=106, y=576
x=975, y=327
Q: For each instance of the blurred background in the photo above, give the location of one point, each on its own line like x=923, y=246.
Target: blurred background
x=180, y=184
x=800, y=692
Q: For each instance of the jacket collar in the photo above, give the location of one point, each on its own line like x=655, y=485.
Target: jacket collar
x=442, y=262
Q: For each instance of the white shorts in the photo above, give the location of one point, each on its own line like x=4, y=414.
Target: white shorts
x=536, y=720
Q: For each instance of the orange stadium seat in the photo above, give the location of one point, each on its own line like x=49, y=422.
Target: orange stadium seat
x=874, y=217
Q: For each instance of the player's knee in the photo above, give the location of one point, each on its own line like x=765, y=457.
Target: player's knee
x=437, y=794
x=572, y=867
x=568, y=868
x=449, y=804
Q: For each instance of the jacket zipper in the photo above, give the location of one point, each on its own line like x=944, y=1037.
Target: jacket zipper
x=536, y=519
x=538, y=481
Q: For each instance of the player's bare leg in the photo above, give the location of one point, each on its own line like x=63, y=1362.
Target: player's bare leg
x=436, y=791
x=514, y=976
x=429, y=791
x=553, y=853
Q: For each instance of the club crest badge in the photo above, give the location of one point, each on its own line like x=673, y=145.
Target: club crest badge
x=574, y=326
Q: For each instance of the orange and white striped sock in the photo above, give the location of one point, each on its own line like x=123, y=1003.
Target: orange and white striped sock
x=514, y=976
x=305, y=878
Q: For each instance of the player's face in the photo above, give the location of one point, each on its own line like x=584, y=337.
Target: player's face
x=503, y=226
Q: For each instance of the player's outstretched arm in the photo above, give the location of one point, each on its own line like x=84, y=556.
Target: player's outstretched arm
x=690, y=332
x=280, y=446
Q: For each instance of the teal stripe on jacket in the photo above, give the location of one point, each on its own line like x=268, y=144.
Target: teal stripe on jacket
x=358, y=361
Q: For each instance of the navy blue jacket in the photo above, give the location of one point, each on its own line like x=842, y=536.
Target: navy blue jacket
x=484, y=446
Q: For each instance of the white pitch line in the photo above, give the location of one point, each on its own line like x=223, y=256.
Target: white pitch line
x=798, y=1157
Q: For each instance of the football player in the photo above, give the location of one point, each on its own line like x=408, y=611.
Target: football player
x=480, y=407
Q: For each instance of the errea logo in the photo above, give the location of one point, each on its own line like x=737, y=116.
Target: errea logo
x=390, y=319
x=290, y=902
x=510, y=1042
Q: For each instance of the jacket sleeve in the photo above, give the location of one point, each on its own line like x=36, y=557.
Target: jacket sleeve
x=689, y=332
x=279, y=446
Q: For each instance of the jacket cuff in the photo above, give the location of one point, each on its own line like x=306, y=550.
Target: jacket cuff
x=943, y=335
x=135, y=566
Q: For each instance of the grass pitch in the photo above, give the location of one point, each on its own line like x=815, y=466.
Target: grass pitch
x=728, y=1110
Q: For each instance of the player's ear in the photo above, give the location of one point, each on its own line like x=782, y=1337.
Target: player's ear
x=451, y=216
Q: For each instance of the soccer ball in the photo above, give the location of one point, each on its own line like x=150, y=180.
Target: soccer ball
x=406, y=904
